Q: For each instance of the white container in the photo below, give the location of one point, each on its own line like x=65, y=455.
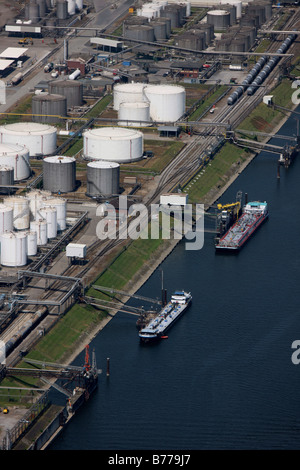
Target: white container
x=174, y=199
x=60, y=205
x=36, y=198
x=128, y=93
x=237, y=4
x=167, y=102
x=76, y=250
x=31, y=243
x=16, y=156
x=40, y=139
x=74, y=75
x=40, y=227
x=6, y=218
x=13, y=249
x=79, y=5
x=21, y=213
x=49, y=214
x=134, y=114
x=115, y=144
x=71, y=7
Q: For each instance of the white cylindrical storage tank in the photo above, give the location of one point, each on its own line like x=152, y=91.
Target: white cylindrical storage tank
x=79, y=5
x=220, y=19
x=60, y=205
x=6, y=218
x=237, y=4
x=49, y=214
x=128, y=93
x=40, y=227
x=103, y=178
x=59, y=174
x=134, y=114
x=71, y=7
x=31, y=243
x=167, y=102
x=16, y=156
x=35, y=198
x=40, y=139
x=6, y=179
x=113, y=144
x=21, y=213
x=13, y=249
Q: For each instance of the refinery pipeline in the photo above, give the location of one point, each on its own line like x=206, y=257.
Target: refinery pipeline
x=87, y=136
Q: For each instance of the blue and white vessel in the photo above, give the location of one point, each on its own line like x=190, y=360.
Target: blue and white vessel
x=157, y=327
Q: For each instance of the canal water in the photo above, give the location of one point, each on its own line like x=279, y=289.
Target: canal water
x=224, y=378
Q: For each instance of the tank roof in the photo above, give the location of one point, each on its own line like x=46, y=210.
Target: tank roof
x=9, y=149
x=113, y=133
x=103, y=164
x=165, y=89
x=28, y=128
x=48, y=97
x=59, y=159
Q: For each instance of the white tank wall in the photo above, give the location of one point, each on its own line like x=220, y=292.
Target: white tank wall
x=31, y=243
x=236, y=3
x=14, y=249
x=167, y=102
x=49, y=214
x=6, y=218
x=128, y=93
x=16, y=156
x=40, y=227
x=40, y=139
x=71, y=7
x=134, y=114
x=113, y=144
x=36, y=197
x=60, y=205
x=21, y=212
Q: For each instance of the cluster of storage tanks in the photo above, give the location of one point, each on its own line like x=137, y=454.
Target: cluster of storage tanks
x=259, y=72
x=28, y=222
x=35, y=10
x=155, y=20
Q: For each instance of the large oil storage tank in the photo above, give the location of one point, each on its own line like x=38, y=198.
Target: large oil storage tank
x=6, y=178
x=71, y=7
x=128, y=93
x=33, y=11
x=42, y=8
x=134, y=114
x=231, y=9
x=21, y=211
x=237, y=4
x=192, y=40
x=13, y=249
x=50, y=216
x=31, y=243
x=40, y=139
x=59, y=174
x=60, y=204
x=115, y=144
x=167, y=102
x=6, y=218
x=160, y=29
x=172, y=12
x=16, y=156
x=208, y=29
x=40, y=227
x=71, y=89
x=220, y=19
x=48, y=108
x=140, y=33
x=103, y=178
x=62, y=9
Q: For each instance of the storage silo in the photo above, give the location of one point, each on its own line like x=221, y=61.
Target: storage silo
x=33, y=11
x=40, y=227
x=79, y=5
x=6, y=218
x=21, y=212
x=62, y=9
x=160, y=29
x=42, y=8
x=134, y=114
x=6, y=178
x=167, y=102
x=192, y=40
x=237, y=4
x=48, y=108
x=60, y=204
x=231, y=9
x=13, y=249
x=208, y=29
x=128, y=93
x=257, y=9
x=71, y=7
x=103, y=178
x=40, y=139
x=59, y=174
x=171, y=12
x=16, y=156
x=134, y=20
x=140, y=33
x=31, y=243
x=35, y=198
x=49, y=215
x=220, y=19
x=115, y=144
x=71, y=89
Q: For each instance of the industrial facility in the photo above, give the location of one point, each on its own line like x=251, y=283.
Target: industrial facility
x=137, y=108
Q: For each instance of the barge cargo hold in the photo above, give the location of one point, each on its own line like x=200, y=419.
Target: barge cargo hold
x=157, y=327
x=254, y=214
